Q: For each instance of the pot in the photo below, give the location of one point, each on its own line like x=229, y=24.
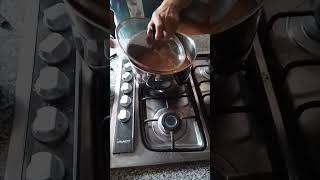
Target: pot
x=128, y=29
x=91, y=30
x=232, y=46
x=163, y=81
x=232, y=31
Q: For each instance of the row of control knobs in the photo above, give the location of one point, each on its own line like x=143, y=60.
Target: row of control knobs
x=52, y=83
x=126, y=89
x=50, y=124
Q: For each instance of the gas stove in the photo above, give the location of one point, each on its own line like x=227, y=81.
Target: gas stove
x=292, y=49
x=51, y=134
x=150, y=127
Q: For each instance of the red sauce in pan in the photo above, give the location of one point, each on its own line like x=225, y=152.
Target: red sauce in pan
x=158, y=57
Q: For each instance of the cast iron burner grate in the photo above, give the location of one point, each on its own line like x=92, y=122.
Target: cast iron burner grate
x=170, y=120
x=299, y=62
x=302, y=28
x=201, y=79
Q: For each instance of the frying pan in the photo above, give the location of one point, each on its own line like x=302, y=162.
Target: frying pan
x=96, y=11
x=93, y=24
x=232, y=25
x=232, y=46
x=216, y=16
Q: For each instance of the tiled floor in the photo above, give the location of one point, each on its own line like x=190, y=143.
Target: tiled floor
x=183, y=171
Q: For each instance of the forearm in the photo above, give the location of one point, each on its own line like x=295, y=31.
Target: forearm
x=179, y=4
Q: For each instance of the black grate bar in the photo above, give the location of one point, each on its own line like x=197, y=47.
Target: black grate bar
x=167, y=103
x=163, y=98
x=305, y=106
x=204, y=81
x=280, y=15
x=150, y=120
x=299, y=63
x=236, y=109
x=198, y=66
x=189, y=117
x=204, y=95
x=172, y=140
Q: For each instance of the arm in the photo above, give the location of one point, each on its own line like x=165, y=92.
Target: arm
x=166, y=18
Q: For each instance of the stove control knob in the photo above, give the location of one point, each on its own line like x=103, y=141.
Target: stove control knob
x=124, y=116
x=125, y=101
x=126, y=77
x=49, y=125
x=127, y=67
x=56, y=17
x=52, y=167
x=52, y=83
x=126, y=88
x=54, y=49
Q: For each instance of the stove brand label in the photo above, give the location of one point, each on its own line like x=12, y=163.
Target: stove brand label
x=123, y=141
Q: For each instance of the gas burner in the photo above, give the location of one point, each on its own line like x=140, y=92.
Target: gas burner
x=201, y=77
x=171, y=91
x=171, y=121
x=167, y=122
x=305, y=31
x=158, y=84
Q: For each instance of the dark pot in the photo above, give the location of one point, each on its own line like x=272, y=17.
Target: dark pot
x=231, y=47
x=90, y=32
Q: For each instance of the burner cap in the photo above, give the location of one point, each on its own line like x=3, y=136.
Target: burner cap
x=170, y=121
x=158, y=84
x=167, y=120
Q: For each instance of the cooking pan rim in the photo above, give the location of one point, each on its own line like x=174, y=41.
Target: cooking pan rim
x=82, y=15
x=242, y=19
x=169, y=73
x=136, y=64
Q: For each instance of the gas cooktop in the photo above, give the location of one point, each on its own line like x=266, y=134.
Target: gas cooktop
x=292, y=49
x=150, y=127
x=142, y=119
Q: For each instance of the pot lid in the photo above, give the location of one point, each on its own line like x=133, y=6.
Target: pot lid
x=164, y=55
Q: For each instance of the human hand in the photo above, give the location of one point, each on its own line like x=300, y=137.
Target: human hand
x=165, y=20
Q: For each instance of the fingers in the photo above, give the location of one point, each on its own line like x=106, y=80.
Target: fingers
x=156, y=25
x=164, y=22
x=160, y=30
x=150, y=29
x=159, y=27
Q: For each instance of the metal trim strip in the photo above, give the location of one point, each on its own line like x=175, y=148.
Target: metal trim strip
x=17, y=144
